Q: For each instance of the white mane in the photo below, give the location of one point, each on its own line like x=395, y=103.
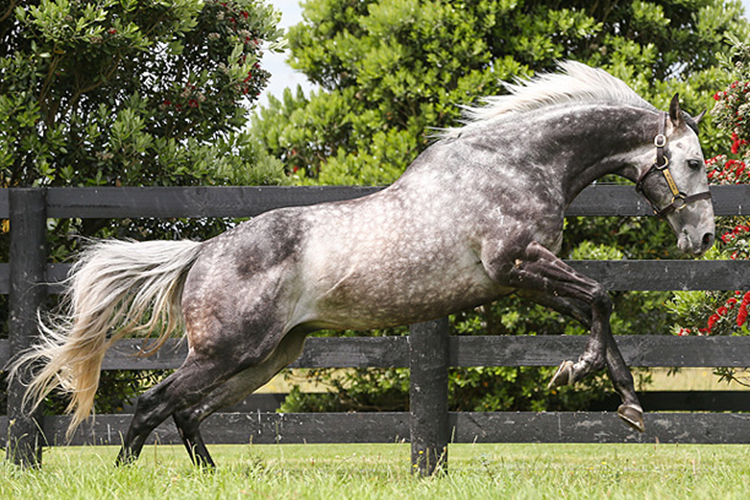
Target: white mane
x=577, y=84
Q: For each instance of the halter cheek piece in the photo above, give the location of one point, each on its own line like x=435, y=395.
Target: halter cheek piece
x=679, y=199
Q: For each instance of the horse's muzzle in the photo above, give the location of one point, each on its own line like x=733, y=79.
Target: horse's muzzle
x=696, y=243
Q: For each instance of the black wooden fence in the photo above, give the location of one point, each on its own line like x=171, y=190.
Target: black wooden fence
x=429, y=351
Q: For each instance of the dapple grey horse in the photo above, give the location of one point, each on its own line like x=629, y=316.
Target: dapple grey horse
x=477, y=216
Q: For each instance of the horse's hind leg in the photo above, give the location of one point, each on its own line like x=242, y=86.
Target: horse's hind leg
x=196, y=377
x=214, y=357
x=232, y=391
x=540, y=272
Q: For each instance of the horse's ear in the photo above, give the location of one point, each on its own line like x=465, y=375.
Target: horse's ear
x=700, y=116
x=675, y=114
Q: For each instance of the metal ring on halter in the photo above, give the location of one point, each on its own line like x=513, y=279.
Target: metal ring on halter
x=662, y=167
x=660, y=140
x=679, y=201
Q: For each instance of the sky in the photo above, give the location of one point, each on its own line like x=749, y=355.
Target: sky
x=283, y=76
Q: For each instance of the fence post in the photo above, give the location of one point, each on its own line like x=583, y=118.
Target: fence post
x=28, y=261
x=428, y=396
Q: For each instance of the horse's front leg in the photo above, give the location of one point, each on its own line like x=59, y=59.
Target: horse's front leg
x=542, y=274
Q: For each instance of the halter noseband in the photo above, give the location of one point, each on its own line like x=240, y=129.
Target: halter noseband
x=679, y=199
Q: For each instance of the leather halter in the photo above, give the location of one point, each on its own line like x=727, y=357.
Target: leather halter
x=679, y=199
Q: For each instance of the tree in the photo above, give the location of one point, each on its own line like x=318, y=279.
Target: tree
x=123, y=92
x=391, y=71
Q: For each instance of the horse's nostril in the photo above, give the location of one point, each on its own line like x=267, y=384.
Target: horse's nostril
x=708, y=240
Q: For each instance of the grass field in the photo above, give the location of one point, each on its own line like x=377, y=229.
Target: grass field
x=362, y=472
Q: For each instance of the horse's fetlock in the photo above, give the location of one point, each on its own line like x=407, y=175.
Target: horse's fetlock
x=601, y=299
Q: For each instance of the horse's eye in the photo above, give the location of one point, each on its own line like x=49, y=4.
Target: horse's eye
x=695, y=164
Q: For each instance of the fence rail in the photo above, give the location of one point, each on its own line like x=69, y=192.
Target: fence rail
x=248, y=201
x=645, y=351
x=24, y=277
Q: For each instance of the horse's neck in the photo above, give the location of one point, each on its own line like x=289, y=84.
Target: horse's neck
x=595, y=142
x=568, y=147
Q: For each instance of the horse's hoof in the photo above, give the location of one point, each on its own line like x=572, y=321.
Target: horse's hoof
x=563, y=375
x=632, y=415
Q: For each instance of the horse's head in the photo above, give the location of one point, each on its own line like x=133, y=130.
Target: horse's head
x=676, y=184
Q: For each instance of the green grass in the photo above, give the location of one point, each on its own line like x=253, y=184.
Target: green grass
x=362, y=472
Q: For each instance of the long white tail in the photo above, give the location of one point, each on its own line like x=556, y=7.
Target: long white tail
x=116, y=288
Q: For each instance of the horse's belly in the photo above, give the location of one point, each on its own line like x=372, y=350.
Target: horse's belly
x=389, y=299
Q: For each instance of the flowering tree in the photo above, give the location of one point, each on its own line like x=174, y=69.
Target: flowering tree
x=725, y=313
x=129, y=92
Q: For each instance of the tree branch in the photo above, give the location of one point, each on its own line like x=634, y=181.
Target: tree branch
x=107, y=75
x=11, y=7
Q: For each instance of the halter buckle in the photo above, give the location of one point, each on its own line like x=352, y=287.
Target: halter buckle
x=660, y=140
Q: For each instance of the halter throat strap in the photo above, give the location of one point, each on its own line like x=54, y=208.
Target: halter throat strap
x=679, y=199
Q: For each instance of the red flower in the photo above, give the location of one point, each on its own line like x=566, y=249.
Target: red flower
x=722, y=311
x=193, y=103
x=712, y=321
x=742, y=315
x=736, y=143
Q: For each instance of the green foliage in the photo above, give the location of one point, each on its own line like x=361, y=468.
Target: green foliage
x=353, y=390
x=391, y=70
x=122, y=92
x=117, y=390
